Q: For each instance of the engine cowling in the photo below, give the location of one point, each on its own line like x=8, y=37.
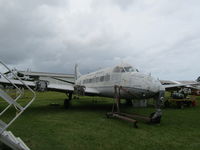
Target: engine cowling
x=41, y=85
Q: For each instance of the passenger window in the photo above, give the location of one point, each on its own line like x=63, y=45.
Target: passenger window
x=101, y=78
x=107, y=77
x=97, y=79
x=93, y=80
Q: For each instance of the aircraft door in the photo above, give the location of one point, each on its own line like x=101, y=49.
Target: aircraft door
x=116, y=78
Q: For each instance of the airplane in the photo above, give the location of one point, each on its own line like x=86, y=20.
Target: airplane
x=136, y=85
x=192, y=86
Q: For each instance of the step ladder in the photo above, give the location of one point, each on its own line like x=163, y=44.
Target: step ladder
x=7, y=137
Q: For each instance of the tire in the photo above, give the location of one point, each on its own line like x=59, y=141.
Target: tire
x=155, y=120
x=67, y=103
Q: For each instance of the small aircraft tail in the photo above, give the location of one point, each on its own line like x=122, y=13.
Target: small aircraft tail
x=77, y=73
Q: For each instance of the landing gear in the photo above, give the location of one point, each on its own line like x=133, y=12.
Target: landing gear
x=156, y=116
x=67, y=102
x=155, y=119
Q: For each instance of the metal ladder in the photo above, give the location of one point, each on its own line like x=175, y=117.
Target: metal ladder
x=6, y=136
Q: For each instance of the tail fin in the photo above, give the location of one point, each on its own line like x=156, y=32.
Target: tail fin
x=77, y=73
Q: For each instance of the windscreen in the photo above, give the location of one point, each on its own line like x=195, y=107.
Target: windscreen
x=125, y=69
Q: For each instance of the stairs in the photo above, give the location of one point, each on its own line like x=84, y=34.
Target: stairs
x=7, y=137
x=8, y=99
x=13, y=142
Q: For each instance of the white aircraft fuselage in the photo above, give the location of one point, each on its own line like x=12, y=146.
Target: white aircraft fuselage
x=139, y=85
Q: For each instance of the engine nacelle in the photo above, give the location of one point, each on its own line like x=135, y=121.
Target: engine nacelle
x=41, y=85
x=80, y=90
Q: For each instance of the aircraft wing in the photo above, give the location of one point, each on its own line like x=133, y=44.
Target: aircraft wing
x=91, y=91
x=175, y=85
x=16, y=82
x=60, y=87
x=65, y=88
x=69, y=87
x=50, y=86
x=169, y=82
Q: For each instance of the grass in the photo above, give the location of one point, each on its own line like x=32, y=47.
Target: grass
x=85, y=127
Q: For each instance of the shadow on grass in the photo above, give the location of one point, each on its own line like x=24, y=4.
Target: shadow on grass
x=77, y=107
x=80, y=107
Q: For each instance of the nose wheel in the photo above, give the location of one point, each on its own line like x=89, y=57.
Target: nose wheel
x=155, y=119
x=156, y=116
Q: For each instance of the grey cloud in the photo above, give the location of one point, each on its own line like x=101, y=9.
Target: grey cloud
x=48, y=35
x=123, y=4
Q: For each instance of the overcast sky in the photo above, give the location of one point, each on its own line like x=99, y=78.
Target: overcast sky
x=157, y=36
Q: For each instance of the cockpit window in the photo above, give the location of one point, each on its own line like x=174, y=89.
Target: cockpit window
x=125, y=69
x=130, y=69
x=118, y=69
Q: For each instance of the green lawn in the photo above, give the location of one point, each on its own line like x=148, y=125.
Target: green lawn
x=85, y=127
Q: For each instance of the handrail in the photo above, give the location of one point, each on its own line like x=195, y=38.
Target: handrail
x=20, y=95
x=12, y=83
x=18, y=79
x=27, y=105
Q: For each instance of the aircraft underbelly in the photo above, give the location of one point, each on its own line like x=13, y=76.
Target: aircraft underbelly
x=132, y=92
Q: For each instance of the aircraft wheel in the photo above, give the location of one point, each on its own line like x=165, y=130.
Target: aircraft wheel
x=155, y=120
x=67, y=103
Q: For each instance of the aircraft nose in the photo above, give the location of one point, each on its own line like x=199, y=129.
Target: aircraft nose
x=154, y=85
x=146, y=82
